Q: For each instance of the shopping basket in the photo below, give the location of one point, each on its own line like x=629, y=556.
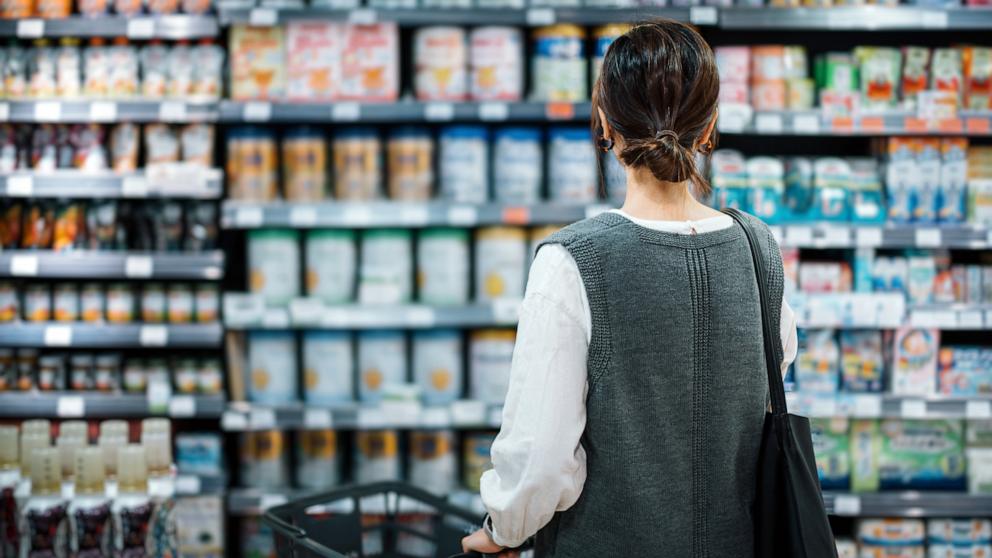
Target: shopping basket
x=386, y=519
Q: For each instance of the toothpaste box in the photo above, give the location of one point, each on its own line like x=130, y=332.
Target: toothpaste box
x=922, y=273
x=833, y=456
x=928, y=164
x=959, y=531
x=866, y=199
x=914, y=361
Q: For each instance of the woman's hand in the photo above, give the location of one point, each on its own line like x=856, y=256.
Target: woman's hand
x=480, y=542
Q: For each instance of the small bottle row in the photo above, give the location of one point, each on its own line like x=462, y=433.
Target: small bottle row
x=918, y=538
x=116, y=303
x=57, y=9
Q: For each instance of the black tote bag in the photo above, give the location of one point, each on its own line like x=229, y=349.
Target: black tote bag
x=790, y=520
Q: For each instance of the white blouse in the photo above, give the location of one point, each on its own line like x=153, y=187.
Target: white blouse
x=539, y=466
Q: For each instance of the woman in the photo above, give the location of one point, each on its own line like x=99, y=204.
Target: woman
x=638, y=387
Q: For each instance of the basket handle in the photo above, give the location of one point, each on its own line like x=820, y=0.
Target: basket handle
x=288, y=528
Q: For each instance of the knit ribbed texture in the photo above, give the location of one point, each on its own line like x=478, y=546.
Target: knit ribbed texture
x=677, y=392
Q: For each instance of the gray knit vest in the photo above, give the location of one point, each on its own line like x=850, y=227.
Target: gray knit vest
x=677, y=391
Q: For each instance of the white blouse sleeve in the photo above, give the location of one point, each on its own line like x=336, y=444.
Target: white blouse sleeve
x=539, y=467
x=790, y=343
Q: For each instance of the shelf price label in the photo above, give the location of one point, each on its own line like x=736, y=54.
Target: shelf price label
x=135, y=186
x=346, y=112
x=58, y=336
x=357, y=216
x=30, y=28
x=439, y=112
x=868, y=237
x=188, y=484
x=153, y=335
x=798, y=236
x=233, y=421
x=303, y=216
x=847, y=504
x=463, y=216
x=263, y=17
x=913, y=409
x=103, y=111
x=978, y=410
x=559, y=110
x=703, y=15
x=270, y=501
x=317, y=419
x=182, y=406
x=468, y=412
x=172, y=111
x=363, y=17
x=970, y=319
x=768, y=123
x=4, y=112
x=262, y=419
x=248, y=217
x=139, y=267
x=867, y=406
x=806, y=124
x=506, y=310
x=48, y=111
x=24, y=265
x=414, y=215
x=835, y=236
x=494, y=111
x=419, y=317
x=140, y=28
x=257, y=111
x=20, y=186
x=516, y=215
x=928, y=238
x=933, y=19
x=540, y=16
x=70, y=406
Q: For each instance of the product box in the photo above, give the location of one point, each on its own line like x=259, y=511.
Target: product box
x=833, y=456
x=879, y=72
x=846, y=548
x=818, y=361
x=922, y=273
x=314, y=58
x=947, y=72
x=200, y=526
x=914, y=361
x=369, y=63
x=766, y=188
x=979, y=470
x=953, y=192
x=902, y=178
x=891, y=532
x=928, y=164
x=867, y=202
x=199, y=454
x=799, y=193
x=915, y=73
x=908, y=455
x=790, y=268
x=977, y=77
x=959, y=531
x=862, y=361
x=964, y=371
x=873, y=551
x=832, y=187
x=825, y=277
x=258, y=61
x=729, y=180
x=958, y=551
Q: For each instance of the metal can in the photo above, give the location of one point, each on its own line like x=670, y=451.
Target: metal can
x=209, y=377
x=120, y=303
x=357, y=165
x=153, y=303
x=135, y=376
x=331, y=259
x=386, y=274
x=37, y=303
x=328, y=367
x=437, y=365
x=572, y=170
x=65, y=302
x=518, y=165
x=490, y=358
x=251, y=164
x=81, y=372
x=500, y=257
x=304, y=164
x=443, y=266
x=477, y=457
x=157, y=371
x=274, y=265
x=27, y=363
x=272, y=367
x=9, y=304
x=207, y=303
x=381, y=361
x=317, y=459
x=433, y=461
x=440, y=59
x=180, y=304
x=463, y=163
x=558, y=72
x=377, y=458
x=264, y=459
x=603, y=37
x=106, y=373
x=51, y=373
x=496, y=59
x=91, y=302
x=410, y=162
x=186, y=375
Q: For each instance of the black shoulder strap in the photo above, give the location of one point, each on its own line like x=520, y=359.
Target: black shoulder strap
x=774, y=368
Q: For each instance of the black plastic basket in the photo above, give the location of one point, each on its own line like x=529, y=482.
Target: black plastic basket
x=386, y=519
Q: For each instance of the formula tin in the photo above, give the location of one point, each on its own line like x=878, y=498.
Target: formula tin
x=357, y=164
x=410, y=162
x=572, y=172
x=120, y=303
x=500, y=257
x=443, y=266
x=433, y=461
x=304, y=164
x=331, y=260
x=377, y=457
x=274, y=265
x=558, y=70
x=440, y=55
x=463, y=163
x=37, y=303
x=328, y=367
x=180, y=304
x=386, y=274
x=91, y=302
x=65, y=302
x=381, y=361
x=437, y=365
x=272, y=367
x=496, y=60
x=476, y=457
x=518, y=165
x=317, y=459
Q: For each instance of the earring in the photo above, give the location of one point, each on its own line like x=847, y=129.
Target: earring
x=605, y=143
x=707, y=147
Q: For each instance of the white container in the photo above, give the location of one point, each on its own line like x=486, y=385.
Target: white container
x=377, y=456
x=437, y=365
x=274, y=265
x=463, y=163
x=572, y=172
x=387, y=267
x=381, y=361
x=490, y=356
x=443, y=266
x=317, y=460
x=330, y=265
x=440, y=57
x=500, y=259
x=559, y=67
x=518, y=165
x=272, y=367
x=497, y=67
x=328, y=367
x=264, y=460
x=433, y=461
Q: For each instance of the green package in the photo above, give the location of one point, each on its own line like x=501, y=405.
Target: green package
x=896, y=454
x=831, y=445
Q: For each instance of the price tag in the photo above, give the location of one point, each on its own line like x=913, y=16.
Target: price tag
x=172, y=111
x=516, y=215
x=419, y=317
x=257, y=112
x=468, y=413
x=158, y=393
x=703, y=15
x=30, y=28
x=70, y=406
x=58, y=336
x=913, y=409
x=806, y=124
x=270, y=501
x=153, y=335
x=233, y=421
x=414, y=215
x=799, y=236
x=863, y=314
x=188, y=484
x=867, y=406
x=945, y=319
x=437, y=112
x=362, y=17
x=248, y=217
x=970, y=319
x=134, y=187
x=357, y=216
x=182, y=406
x=977, y=125
x=371, y=418
x=317, y=419
x=4, y=112
x=435, y=417
x=48, y=111
x=868, y=237
x=922, y=318
x=346, y=112
x=928, y=238
x=140, y=28
x=24, y=265
x=463, y=216
x=732, y=122
x=825, y=407
x=934, y=19
x=103, y=111
x=263, y=17
x=768, y=123
x=140, y=267
x=847, y=504
x=262, y=419
x=978, y=410
x=506, y=311
x=494, y=112
x=540, y=16
x=303, y=216
x=559, y=110
x=275, y=318
x=20, y=186
x=401, y=413
x=835, y=236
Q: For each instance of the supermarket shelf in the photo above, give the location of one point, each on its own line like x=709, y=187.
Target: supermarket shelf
x=402, y=111
x=196, y=485
x=176, y=181
x=173, y=27
x=466, y=414
x=138, y=110
x=841, y=235
x=968, y=317
x=112, y=265
x=878, y=405
x=886, y=311
x=106, y=405
x=893, y=123
x=109, y=336
x=908, y=504
x=868, y=18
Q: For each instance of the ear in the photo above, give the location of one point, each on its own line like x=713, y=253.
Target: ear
x=604, y=124
x=708, y=132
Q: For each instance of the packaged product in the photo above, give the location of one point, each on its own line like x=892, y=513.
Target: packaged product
x=153, y=303
x=729, y=180
x=463, y=164
x=386, y=273
x=922, y=274
x=410, y=164
x=800, y=93
x=210, y=380
x=264, y=459
x=846, y=548
x=331, y=260
x=167, y=223
x=952, y=193
x=51, y=373
x=377, y=458
x=124, y=140
x=381, y=361
x=518, y=165
x=154, y=69
x=500, y=256
x=825, y=277
x=44, y=511
x=195, y=7
x=497, y=67
x=964, y=371
x=928, y=165
x=831, y=189
x=96, y=69
x=15, y=75
x=766, y=188
x=476, y=457
x=317, y=459
x=879, y=72
x=38, y=225
x=437, y=365
x=891, y=532
x=41, y=69
x=443, y=266
x=440, y=64
x=199, y=454
x=314, y=60
x=734, y=66
x=37, y=303
x=902, y=178
x=201, y=226
x=959, y=531
x=16, y=9
x=490, y=355
x=914, y=361
x=558, y=70
x=161, y=144
x=799, y=193
x=818, y=364
x=915, y=73
x=135, y=376
x=895, y=454
x=945, y=550
x=69, y=227
x=768, y=77
x=128, y=7
x=180, y=304
x=197, y=141
x=44, y=148
x=603, y=37
x=274, y=265
x=27, y=363
x=258, y=62
x=68, y=66
x=122, y=63
x=357, y=164
x=272, y=367
x=184, y=375
x=328, y=367
x=433, y=460
x=836, y=71
x=862, y=361
x=91, y=302
x=304, y=164
x=830, y=445
x=207, y=80
x=572, y=170
x=977, y=77
x=252, y=164
x=10, y=223
x=947, y=72
x=163, y=7
x=369, y=63
x=8, y=370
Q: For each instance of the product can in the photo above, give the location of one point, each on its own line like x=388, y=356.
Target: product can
x=433, y=461
x=437, y=365
x=81, y=372
x=8, y=370
x=496, y=59
x=264, y=459
x=440, y=59
x=328, y=367
x=65, y=300
x=317, y=459
x=120, y=303
x=158, y=372
x=274, y=265
x=180, y=304
x=9, y=305
x=381, y=361
x=304, y=164
x=331, y=261
x=272, y=365
x=410, y=161
x=27, y=363
x=378, y=457
x=251, y=164
x=443, y=266
x=476, y=457
x=207, y=303
x=51, y=373
x=210, y=379
x=558, y=72
x=500, y=257
x=603, y=37
x=463, y=163
x=135, y=376
x=490, y=356
x=106, y=372
x=357, y=164
x=91, y=302
x=186, y=375
x=572, y=172
x=386, y=274
x=518, y=165
x=37, y=303
x=153, y=303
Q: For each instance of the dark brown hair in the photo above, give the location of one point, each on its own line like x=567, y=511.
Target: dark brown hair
x=658, y=89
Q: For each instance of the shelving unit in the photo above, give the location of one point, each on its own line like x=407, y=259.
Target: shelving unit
x=403, y=111
x=883, y=405
x=908, y=504
x=153, y=183
x=108, y=110
x=465, y=414
x=110, y=336
x=107, y=405
x=891, y=123
x=856, y=18
x=169, y=27
x=88, y=264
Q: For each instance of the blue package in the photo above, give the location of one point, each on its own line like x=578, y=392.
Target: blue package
x=766, y=188
x=953, y=193
x=867, y=203
x=832, y=185
x=729, y=180
x=929, y=166
x=864, y=276
x=799, y=189
x=901, y=178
